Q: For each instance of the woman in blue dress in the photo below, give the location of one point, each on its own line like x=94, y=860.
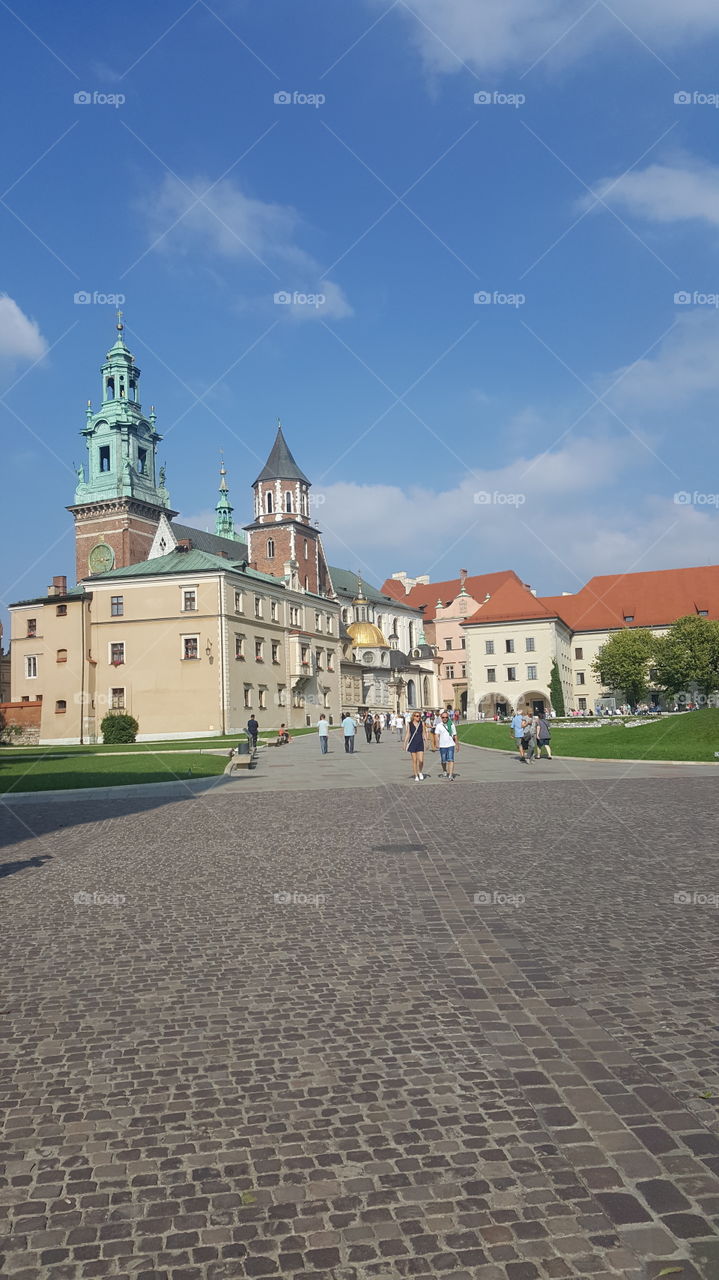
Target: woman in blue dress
x=414, y=743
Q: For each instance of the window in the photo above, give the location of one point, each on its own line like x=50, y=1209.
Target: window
x=262, y=698
x=190, y=648
x=463, y=670
x=320, y=659
x=61, y=611
x=32, y=626
x=328, y=623
x=273, y=610
x=60, y=707
x=275, y=651
x=61, y=655
x=189, y=600
x=294, y=615
x=248, y=696
x=629, y=617
x=258, y=606
x=703, y=613
x=448, y=643
x=509, y=646
x=305, y=655
x=345, y=615
x=117, y=654
x=330, y=660
x=580, y=678
x=306, y=548
x=240, y=647
x=582, y=702
x=318, y=622
x=579, y=654
x=511, y=673
x=31, y=667
x=282, y=695
x=489, y=646
x=117, y=699
x=117, y=606
x=491, y=675
x=463, y=642
x=259, y=648
x=268, y=503
x=105, y=457
x=142, y=461
x=529, y=644
x=531, y=673
x=288, y=501
x=449, y=671
x=239, y=602
x=270, y=548
x=307, y=583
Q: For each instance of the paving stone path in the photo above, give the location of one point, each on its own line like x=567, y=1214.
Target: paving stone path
x=363, y=1028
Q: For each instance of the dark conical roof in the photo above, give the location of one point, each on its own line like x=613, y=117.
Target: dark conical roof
x=281, y=465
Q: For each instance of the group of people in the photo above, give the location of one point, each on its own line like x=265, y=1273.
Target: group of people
x=532, y=736
x=416, y=732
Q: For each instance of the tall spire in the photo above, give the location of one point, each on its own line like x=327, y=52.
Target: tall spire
x=280, y=464
x=224, y=523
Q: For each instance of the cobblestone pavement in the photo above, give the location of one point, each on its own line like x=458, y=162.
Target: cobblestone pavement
x=447, y=1030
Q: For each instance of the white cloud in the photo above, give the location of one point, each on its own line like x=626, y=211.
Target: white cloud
x=492, y=35
x=20, y=337
x=687, y=191
x=573, y=524
x=684, y=368
x=231, y=225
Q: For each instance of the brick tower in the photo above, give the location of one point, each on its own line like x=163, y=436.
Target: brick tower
x=282, y=540
x=118, y=506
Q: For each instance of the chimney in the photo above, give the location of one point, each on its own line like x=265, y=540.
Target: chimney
x=59, y=586
x=183, y=545
x=463, y=576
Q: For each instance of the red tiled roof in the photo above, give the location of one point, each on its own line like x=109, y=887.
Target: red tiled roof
x=428, y=593
x=650, y=599
x=511, y=602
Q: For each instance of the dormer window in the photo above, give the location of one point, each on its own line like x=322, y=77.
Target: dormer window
x=703, y=613
x=629, y=617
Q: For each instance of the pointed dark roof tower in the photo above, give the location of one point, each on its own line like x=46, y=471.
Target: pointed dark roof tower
x=280, y=465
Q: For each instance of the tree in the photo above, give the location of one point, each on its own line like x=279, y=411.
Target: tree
x=688, y=656
x=118, y=728
x=556, y=692
x=623, y=662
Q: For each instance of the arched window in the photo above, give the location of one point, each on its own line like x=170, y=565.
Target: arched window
x=426, y=691
x=268, y=503
x=345, y=615
x=132, y=388
x=306, y=548
x=288, y=501
x=110, y=389
x=411, y=694
x=270, y=548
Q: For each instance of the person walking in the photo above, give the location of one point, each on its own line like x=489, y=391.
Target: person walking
x=517, y=731
x=377, y=728
x=253, y=728
x=544, y=737
x=530, y=737
x=349, y=728
x=414, y=740
x=399, y=725
x=323, y=730
x=448, y=743
x=368, y=723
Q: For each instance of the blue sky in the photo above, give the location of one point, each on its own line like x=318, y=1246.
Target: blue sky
x=581, y=185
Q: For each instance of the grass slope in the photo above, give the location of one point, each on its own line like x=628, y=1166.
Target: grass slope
x=49, y=773
x=693, y=735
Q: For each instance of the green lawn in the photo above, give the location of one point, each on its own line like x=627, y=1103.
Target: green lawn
x=11, y=752
x=49, y=773
x=693, y=735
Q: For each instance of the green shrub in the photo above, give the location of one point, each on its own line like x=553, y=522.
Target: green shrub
x=119, y=728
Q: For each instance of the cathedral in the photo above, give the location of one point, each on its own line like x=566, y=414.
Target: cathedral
x=192, y=632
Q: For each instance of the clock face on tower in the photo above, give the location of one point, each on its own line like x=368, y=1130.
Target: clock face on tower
x=102, y=558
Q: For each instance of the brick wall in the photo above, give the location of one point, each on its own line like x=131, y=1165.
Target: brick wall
x=24, y=716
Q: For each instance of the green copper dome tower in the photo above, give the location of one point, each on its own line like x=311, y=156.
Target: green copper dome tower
x=224, y=523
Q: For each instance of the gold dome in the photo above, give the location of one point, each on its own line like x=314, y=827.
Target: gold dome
x=365, y=635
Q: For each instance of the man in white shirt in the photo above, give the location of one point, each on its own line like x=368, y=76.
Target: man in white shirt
x=323, y=730
x=349, y=727
x=448, y=742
